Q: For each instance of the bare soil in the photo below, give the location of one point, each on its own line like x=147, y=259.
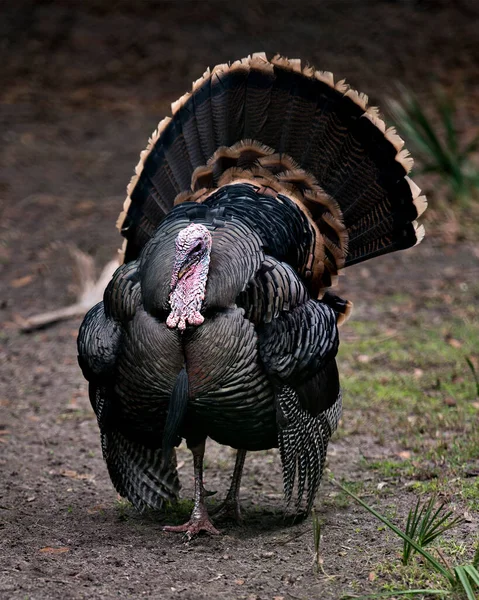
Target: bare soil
x=84, y=84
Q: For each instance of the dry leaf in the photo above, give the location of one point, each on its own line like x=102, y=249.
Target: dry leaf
x=95, y=509
x=418, y=373
x=381, y=485
x=79, y=476
x=450, y=402
x=50, y=550
x=84, y=205
x=21, y=281
x=372, y=576
x=239, y=581
x=404, y=454
x=475, y=405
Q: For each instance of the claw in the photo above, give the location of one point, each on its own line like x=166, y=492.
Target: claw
x=193, y=528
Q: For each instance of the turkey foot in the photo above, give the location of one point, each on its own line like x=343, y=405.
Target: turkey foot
x=199, y=520
x=193, y=527
x=230, y=507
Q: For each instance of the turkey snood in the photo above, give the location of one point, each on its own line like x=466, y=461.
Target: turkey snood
x=188, y=279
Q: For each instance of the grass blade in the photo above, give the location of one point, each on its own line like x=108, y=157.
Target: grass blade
x=449, y=576
x=466, y=584
x=398, y=593
x=474, y=374
x=473, y=573
x=475, y=560
x=411, y=528
x=446, y=110
x=437, y=142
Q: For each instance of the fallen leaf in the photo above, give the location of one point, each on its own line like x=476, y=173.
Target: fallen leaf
x=381, y=485
x=418, y=373
x=95, y=509
x=404, y=454
x=84, y=206
x=31, y=498
x=372, y=576
x=475, y=405
x=454, y=343
x=79, y=476
x=450, y=402
x=239, y=581
x=21, y=281
x=50, y=550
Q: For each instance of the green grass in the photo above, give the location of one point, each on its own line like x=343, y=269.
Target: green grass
x=425, y=524
x=410, y=381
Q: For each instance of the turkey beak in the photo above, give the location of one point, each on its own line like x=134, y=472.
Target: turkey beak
x=182, y=271
x=184, y=266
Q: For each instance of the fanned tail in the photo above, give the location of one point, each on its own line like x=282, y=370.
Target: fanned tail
x=292, y=129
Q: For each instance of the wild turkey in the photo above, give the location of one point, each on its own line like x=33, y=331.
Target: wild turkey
x=267, y=179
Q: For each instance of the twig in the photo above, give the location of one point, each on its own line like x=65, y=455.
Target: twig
x=91, y=293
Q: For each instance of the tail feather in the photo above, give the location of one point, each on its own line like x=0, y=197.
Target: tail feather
x=187, y=118
x=303, y=443
x=323, y=128
x=257, y=98
x=299, y=118
x=177, y=156
x=204, y=116
x=228, y=101
x=137, y=472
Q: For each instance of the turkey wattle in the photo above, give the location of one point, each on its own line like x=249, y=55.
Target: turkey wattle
x=266, y=181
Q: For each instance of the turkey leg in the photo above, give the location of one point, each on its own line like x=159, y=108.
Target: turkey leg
x=199, y=519
x=230, y=507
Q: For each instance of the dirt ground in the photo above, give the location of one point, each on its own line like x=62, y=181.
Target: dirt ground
x=84, y=84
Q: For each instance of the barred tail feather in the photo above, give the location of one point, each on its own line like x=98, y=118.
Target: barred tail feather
x=137, y=472
x=303, y=442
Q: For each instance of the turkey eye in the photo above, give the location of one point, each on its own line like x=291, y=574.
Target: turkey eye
x=197, y=248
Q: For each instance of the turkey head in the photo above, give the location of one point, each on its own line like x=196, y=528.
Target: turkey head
x=189, y=276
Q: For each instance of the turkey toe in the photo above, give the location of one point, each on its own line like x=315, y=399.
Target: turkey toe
x=193, y=528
